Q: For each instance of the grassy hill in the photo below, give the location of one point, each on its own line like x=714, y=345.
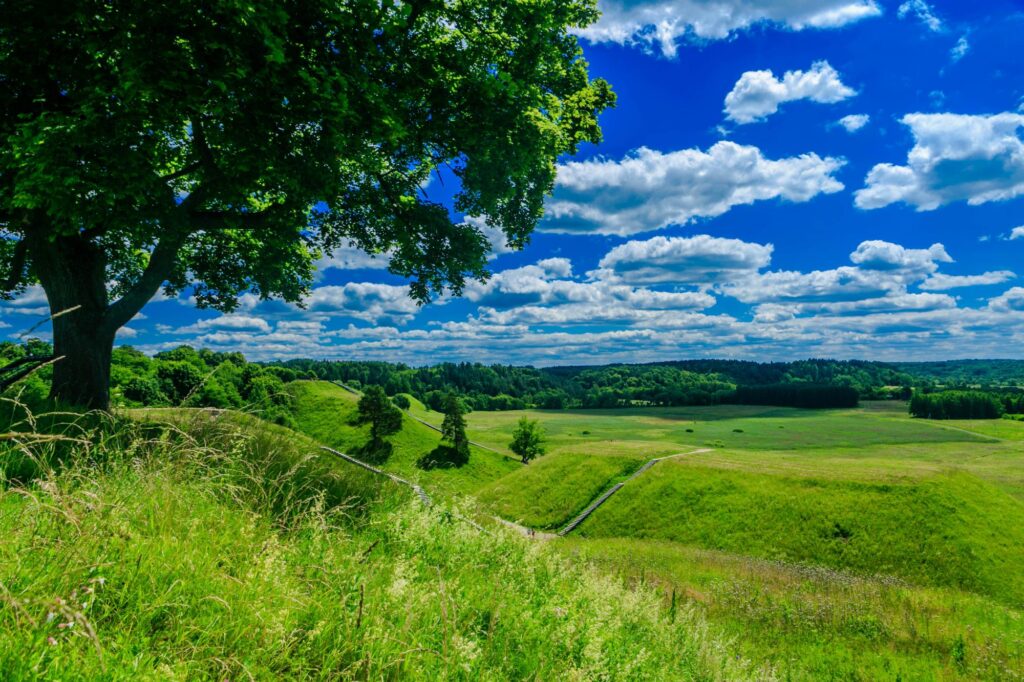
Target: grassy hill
x=328, y=413
x=217, y=548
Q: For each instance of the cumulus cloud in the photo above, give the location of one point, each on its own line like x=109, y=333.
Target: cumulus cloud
x=702, y=259
x=364, y=301
x=1010, y=300
x=942, y=282
x=880, y=255
x=758, y=94
x=351, y=257
x=649, y=189
x=543, y=293
x=854, y=122
x=233, y=322
x=924, y=12
x=348, y=257
x=1017, y=233
x=662, y=23
x=956, y=157
x=881, y=270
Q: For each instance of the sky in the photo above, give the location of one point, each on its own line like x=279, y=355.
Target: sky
x=780, y=179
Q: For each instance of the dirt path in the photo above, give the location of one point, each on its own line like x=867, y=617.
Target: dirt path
x=592, y=507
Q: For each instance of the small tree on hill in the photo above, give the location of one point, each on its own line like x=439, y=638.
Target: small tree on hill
x=528, y=440
x=453, y=429
x=384, y=418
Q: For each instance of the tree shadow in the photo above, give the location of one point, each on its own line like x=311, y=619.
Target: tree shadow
x=443, y=457
x=374, y=452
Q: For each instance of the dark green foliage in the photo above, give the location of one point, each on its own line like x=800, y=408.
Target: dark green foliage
x=401, y=401
x=797, y=395
x=956, y=405
x=453, y=430
x=527, y=440
x=384, y=419
x=178, y=379
x=143, y=390
x=151, y=144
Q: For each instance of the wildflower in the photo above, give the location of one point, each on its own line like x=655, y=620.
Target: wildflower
x=51, y=641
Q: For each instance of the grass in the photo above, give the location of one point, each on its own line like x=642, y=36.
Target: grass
x=550, y=491
x=328, y=413
x=216, y=548
x=809, y=623
x=951, y=529
x=663, y=431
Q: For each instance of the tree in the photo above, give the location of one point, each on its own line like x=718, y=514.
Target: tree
x=384, y=418
x=527, y=440
x=225, y=146
x=453, y=428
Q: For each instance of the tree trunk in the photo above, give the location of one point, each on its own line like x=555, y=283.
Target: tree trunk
x=72, y=272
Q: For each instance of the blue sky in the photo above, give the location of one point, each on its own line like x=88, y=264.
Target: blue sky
x=781, y=179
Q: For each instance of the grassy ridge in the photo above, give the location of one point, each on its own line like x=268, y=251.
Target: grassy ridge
x=210, y=551
x=816, y=624
x=951, y=529
x=328, y=413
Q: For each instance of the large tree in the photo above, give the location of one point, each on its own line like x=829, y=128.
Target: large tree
x=225, y=145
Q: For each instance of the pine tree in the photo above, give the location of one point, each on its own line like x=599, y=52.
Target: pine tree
x=453, y=429
x=384, y=418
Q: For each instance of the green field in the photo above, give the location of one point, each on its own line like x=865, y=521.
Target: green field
x=833, y=544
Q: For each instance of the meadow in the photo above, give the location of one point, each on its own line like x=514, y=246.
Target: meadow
x=774, y=543
x=831, y=544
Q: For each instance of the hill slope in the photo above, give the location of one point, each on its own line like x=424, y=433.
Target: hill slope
x=328, y=413
x=951, y=528
x=213, y=551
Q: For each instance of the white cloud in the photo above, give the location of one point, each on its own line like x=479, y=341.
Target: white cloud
x=854, y=122
x=348, y=257
x=941, y=282
x=364, y=301
x=232, y=322
x=683, y=260
x=1010, y=300
x=883, y=270
x=758, y=94
x=922, y=11
x=1017, y=233
x=542, y=293
x=879, y=255
x=649, y=190
x=32, y=301
x=956, y=157
x=961, y=48
x=663, y=23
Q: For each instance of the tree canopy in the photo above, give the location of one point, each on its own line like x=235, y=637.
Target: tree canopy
x=528, y=440
x=226, y=145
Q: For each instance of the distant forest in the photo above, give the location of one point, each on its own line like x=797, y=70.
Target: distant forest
x=185, y=376
x=687, y=382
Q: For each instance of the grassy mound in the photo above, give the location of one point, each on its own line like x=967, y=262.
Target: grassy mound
x=552, y=490
x=328, y=413
x=223, y=550
x=951, y=529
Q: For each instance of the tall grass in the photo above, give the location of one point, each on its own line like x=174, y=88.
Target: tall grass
x=217, y=548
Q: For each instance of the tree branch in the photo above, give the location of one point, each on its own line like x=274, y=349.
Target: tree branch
x=161, y=265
